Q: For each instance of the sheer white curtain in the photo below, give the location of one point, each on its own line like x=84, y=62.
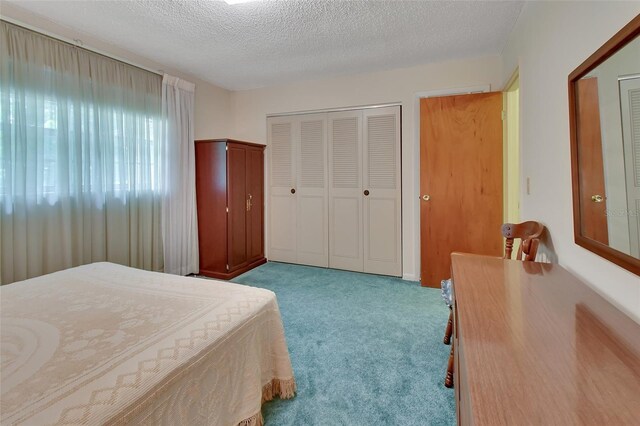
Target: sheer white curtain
x=80, y=158
x=179, y=214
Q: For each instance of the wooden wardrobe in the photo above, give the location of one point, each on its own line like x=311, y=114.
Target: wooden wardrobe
x=230, y=198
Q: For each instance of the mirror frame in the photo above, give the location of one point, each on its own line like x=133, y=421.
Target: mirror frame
x=619, y=40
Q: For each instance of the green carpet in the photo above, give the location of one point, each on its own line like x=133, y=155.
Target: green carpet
x=365, y=349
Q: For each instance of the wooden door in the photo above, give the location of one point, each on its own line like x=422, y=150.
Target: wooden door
x=282, y=189
x=255, y=203
x=345, y=190
x=593, y=204
x=461, y=175
x=312, y=245
x=236, y=202
x=382, y=219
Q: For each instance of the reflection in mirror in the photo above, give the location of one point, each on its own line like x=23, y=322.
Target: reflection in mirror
x=608, y=137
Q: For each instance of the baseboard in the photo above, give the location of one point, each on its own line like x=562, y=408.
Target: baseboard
x=410, y=277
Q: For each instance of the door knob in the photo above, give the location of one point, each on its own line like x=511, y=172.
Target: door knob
x=293, y=191
x=366, y=192
x=597, y=198
x=426, y=197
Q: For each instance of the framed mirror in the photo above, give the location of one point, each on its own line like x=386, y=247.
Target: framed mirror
x=604, y=114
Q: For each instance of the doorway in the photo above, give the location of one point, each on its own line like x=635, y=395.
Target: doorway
x=511, y=163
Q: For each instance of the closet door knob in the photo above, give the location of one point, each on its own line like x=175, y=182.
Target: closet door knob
x=366, y=192
x=293, y=191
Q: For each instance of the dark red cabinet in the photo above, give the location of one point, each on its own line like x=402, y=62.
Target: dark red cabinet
x=230, y=197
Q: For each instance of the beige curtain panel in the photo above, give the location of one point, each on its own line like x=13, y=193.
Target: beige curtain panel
x=80, y=158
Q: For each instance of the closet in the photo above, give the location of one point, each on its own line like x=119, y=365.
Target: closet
x=230, y=202
x=335, y=190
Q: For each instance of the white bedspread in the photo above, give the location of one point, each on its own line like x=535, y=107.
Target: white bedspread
x=104, y=343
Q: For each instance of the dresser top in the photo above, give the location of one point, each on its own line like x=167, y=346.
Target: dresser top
x=541, y=347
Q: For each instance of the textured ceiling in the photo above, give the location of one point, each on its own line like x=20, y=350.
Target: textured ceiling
x=266, y=43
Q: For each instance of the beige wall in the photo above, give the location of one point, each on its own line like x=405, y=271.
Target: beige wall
x=549, y=41
x=212, y=108
x=250, y=109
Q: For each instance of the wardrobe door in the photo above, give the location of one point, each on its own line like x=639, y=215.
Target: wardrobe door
x=282, y=189
x=312, y=206
x=211, y=193
x=345, y=190
x=382, y=191
x=236, y=202
x=255, y=203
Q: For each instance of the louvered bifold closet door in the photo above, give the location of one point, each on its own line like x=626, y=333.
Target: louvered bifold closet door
x=630, y=110
x=382, y=186
x=282, y=199
x=312, y=204
x=345, y=190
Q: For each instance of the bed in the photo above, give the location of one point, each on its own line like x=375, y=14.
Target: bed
x=108, y=344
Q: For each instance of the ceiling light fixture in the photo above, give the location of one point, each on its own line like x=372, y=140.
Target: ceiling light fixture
x=239, y=1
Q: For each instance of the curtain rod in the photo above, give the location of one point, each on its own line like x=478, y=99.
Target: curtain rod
x=77, y=43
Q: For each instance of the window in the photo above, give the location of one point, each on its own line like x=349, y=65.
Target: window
x=63, y=135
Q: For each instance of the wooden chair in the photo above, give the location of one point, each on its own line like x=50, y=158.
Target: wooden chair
x=529, y=235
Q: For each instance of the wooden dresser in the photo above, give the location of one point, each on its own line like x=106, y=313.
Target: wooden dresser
x=230, y=199
x=536, y=346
